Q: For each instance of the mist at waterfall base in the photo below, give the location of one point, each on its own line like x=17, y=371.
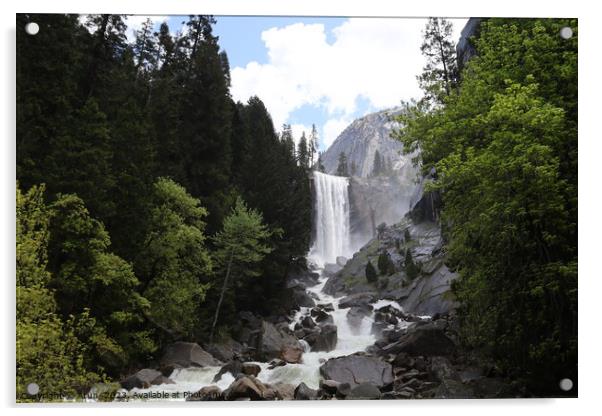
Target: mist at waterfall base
x=333, y=238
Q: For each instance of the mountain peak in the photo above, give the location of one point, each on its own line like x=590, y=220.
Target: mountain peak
x=360, y=141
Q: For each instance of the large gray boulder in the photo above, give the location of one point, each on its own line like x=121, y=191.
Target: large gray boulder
x=144, y=379
x=270, y=342
x=358, y=369
x=358, y=300
x=356, y=314
x=323, y=338
x=427, y=340
x=184, y=355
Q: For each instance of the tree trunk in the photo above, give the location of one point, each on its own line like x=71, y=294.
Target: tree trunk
x=221, y=296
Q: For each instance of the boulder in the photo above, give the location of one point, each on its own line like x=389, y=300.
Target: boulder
x=329, y=386
x=234, y=367
x=284, y=391
x=224, y=351
x=308, y=322
x=302, y=392
x=142, y=379
x=184, y=355
x=358, y=369
x=302, y=299
x=250, y=388
x=359, y=299
x=328, y=307
x=206, y=394
x=276, y=363
x=364, y=391
x=323, y=340
x=292, y=354
x=269, y=342
x=250, y=369
x=321, y=316
x=442, y=369
x=425, y=340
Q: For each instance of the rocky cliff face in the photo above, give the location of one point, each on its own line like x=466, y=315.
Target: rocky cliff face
x=374, y=199
x=360, y=141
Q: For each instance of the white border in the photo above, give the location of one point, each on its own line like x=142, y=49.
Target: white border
x=589, y=200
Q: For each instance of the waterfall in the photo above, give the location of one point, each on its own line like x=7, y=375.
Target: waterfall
x=331, y=218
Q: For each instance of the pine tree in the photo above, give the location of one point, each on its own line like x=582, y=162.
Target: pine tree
x=377, y=164
x=371, y=275
x=439, y=77
x=240, y=246
x=342, y=165
x=320, y=167
x=303, y=154
x=353, y=168
x=411, y=267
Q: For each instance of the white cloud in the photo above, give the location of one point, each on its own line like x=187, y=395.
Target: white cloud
x=372, y=59
x=134, y=23
x=332, y=128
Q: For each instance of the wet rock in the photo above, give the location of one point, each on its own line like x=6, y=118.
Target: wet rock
x=207, y=394
x=284, y=391
x=184, y=355
x=292, y=354
x=250, y=369
x=364, y=391
x=321, y=316
x=249, y=388
x=329, y=386
x=142, y=379
x=269, y=342
x=453, y=389
x=328, y=307
x=302, y=392
x=225, y=351
x=308, y=322
x=442, y=369
x=302, y=299
x=276, y=363
x=323, y=340
x=425, y=340
x=234, y=367
x=358, y=299
x=357, y=369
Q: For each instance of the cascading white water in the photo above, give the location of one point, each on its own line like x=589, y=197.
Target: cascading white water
x=332, y=240
x=332, y=218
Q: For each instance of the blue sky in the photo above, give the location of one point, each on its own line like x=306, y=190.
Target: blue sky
x=325, y=71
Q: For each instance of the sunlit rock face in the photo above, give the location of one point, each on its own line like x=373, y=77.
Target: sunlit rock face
x=360, y=141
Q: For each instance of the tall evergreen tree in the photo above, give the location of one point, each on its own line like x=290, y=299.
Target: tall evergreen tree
x=303, y=153
x=439, y=76
x=342, y=169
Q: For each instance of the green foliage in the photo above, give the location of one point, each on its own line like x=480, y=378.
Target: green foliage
x=412, y=269
x=303, y=152
x=48, y=352
x=371, y=275
x=175, y=264
x=86, y=276
x=505, y=151
x=240, y=246
x=342, y=169
x=439, y=76
x=385, y=265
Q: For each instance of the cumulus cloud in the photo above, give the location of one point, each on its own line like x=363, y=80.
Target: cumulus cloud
x=134, y=23
x=376, y=60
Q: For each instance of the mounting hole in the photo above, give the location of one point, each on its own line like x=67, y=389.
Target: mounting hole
x=566, y=32
x=33, y=389
x=32, y=28
x=566, y=384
